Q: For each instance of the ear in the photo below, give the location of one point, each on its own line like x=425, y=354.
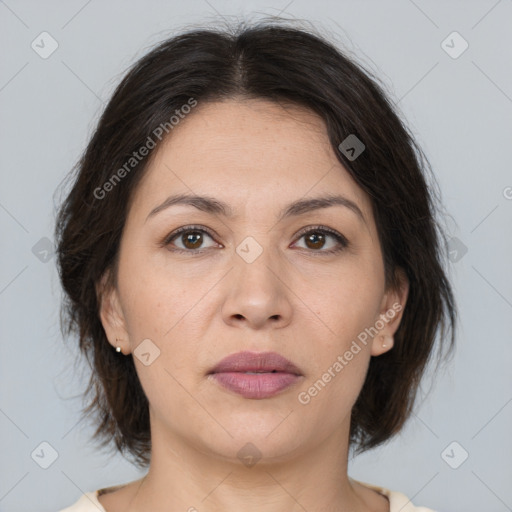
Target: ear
x=392, y=309
x=111, y=313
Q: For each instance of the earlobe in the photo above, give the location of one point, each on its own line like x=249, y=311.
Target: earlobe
x=382, y=344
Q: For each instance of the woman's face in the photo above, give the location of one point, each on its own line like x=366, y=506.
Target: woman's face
x=255, y=278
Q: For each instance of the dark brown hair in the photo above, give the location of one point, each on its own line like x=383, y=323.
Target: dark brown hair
x=273, y=61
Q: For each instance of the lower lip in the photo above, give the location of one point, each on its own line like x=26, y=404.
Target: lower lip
x=260, y=385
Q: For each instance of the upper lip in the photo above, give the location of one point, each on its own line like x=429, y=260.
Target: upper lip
x=256, y=362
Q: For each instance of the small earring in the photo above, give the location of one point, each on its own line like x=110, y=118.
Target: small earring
x=118, y=348
x=384, y=345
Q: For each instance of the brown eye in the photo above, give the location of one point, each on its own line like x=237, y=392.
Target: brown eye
x=323, y=240
x=192, y=239
x=315, y=240
x=188, y=239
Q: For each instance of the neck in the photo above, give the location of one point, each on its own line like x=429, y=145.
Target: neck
x=181, y=477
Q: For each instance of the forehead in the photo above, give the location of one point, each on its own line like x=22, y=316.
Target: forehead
x=247, y=153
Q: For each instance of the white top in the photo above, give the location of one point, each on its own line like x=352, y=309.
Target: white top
x=398, y=502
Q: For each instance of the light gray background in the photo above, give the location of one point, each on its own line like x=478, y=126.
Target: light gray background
x=460, y=109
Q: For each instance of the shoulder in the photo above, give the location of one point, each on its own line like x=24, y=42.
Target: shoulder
x=398, y=502
x=88, y=502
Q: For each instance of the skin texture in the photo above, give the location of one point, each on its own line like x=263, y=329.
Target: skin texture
x=294, y=299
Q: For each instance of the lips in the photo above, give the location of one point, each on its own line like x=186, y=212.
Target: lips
x=256, y=362
x=255, y=375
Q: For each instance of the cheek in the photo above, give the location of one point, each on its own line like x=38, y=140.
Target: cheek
x=345, y=306
x=165, y=315
x=157, y=301
x=147, y=311
x=340, y=358
x=344, y=349
x=168, y=310
x=346, y=303
x=333, y=386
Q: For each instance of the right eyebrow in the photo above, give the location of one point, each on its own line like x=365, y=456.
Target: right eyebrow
x=203, y=203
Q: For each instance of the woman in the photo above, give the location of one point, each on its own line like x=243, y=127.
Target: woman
x=252, y=264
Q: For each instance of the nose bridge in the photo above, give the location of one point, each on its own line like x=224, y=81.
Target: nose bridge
x=256, y=290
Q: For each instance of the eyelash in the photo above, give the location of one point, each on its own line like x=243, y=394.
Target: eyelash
x=343, y=242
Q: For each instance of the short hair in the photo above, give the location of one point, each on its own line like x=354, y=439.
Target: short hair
x=274, y=61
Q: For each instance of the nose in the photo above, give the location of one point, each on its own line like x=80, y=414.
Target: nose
x=258, y=295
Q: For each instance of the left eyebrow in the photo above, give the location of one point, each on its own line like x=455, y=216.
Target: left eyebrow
x=303, y=206
x=300, y=207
